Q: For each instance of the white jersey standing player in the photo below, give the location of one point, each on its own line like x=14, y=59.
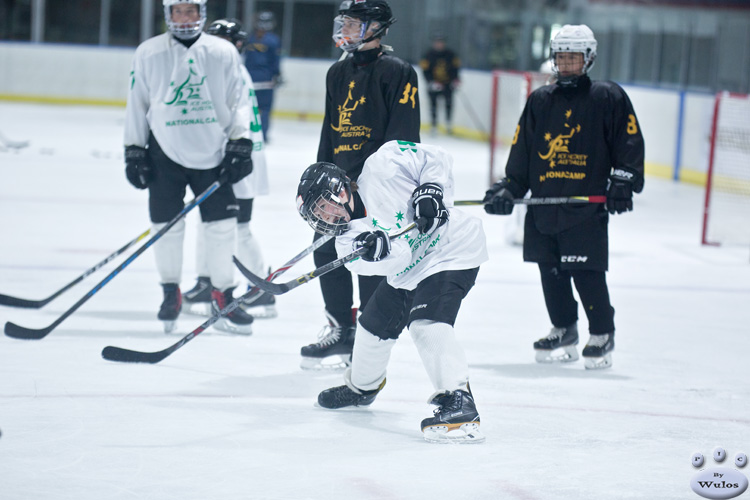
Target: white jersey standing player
x=428, y=270
x=187, y=123
x=198, y=299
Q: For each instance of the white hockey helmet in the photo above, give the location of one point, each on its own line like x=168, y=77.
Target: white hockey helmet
x=185, y=31
x=573, y=38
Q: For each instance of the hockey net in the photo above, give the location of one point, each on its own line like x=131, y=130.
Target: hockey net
x=510, y=89
x=727, y=201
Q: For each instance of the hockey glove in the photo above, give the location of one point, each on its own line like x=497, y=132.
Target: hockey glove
x=137, y=167
x=498, y=200
x=429, y=211
x=377, y=243
x=620, y=191
x=237, y=162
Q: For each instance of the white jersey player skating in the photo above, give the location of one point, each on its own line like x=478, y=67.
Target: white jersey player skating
x=187, y=123
x=429, y=271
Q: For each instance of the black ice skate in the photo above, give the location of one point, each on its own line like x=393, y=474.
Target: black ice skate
x=598, y=351
x=170, y=306
x=262, y=305
x=558, y=346
x=197, y=300
x=455, y=419
x=334, y=340
x=237, y=321
x=343, y=396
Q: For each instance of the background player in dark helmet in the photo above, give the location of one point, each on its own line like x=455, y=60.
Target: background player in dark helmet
x=198, y=299
x=171, y=144
x=371, y=98
x=428, y=272
x=575, y=137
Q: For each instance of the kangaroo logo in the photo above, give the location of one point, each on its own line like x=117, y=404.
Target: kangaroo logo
x=719, y=482
x=560, y=143
x=187, y=91
x=346, y=109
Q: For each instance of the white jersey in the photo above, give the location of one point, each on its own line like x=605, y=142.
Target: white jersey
x=192, y=99
x=386, y=184
x=255, y=184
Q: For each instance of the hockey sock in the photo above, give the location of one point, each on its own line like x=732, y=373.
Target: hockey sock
x=593, y=291
x=168, y=252
x=442, y=355
x=558, y=296
x=201, y=263
x=220, y=239
x=248, y=250
x=369, y=359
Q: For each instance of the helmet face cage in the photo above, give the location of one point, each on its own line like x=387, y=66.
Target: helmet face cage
x=266, y=21
x=358, y=16
x=185, y=31
x=320, y=201
x=576, y=39
x=230, y=29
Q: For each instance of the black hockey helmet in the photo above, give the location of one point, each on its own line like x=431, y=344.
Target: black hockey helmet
x=230, y=29
x=319, y=198
x=367, y=11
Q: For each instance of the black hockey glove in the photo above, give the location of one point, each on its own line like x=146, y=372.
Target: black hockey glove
x=237, y=162
x=137, y=167
x=429, y=211
x=378, y=245
x=620, y=191
x=498, y=200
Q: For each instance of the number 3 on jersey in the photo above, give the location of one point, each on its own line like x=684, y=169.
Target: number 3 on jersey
x=255, y=125
x=406, y=97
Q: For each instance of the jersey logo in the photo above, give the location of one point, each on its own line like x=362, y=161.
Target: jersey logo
x=559, y=155
x=187, y=91
x=345, y=126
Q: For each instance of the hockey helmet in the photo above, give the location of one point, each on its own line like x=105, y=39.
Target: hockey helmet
x=185, y=31
x=323, y=198
x=577, y=39
x=266, y=21
x=356, y=17
x=229, y=29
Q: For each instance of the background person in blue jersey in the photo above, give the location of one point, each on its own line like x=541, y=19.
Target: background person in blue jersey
x=262, y=59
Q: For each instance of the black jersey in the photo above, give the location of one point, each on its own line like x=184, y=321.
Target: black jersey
x=367, y=105
x=440, y=66
x=566, y=143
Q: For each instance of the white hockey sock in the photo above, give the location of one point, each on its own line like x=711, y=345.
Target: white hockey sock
x=442, y=355
x=248, y=250
x=369, y=359
x=201, y=263
x=220, y=241
x=168, y=251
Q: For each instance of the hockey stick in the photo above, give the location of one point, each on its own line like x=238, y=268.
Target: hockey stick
x=112, y=353
x=280, y=288
x=560, y=200
x=20, y=332
x=7, y=300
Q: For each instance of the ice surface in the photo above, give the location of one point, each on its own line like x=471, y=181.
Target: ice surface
x=229, y=417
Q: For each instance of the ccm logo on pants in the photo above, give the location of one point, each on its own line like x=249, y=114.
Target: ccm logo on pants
x=573, y=258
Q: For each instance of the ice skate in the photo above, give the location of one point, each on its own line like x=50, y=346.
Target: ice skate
x=170, y=306
x=197, y=300
x=455, y=419
x=262, y=305
x=597, y=354
x=237, y=321
x=344, y=396
x=336, y=342
x=559, y=346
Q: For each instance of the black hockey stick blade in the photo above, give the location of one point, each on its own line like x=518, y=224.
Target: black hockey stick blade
x=112, y=353
x=19, y=332
x=558, y=200
x=281, y=288
x=7, y=300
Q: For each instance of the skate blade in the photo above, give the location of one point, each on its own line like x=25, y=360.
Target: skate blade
x=467, y=433
x=598, y=363
x=334, y=363
x=565, y=354
x=262, y=312
x=224, y=325
x=197, y=308
x=170, y=326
